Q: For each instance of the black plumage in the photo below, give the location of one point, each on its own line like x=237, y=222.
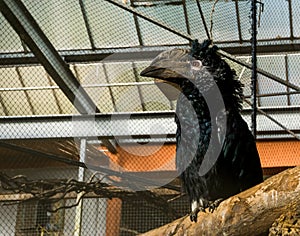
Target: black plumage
x=216, y=154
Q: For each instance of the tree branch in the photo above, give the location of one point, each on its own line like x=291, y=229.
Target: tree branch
x=52, y=191
x=251, y=212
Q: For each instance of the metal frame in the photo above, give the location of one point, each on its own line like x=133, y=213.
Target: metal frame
x=125, y=126
x=114, y=54
x=25, y=25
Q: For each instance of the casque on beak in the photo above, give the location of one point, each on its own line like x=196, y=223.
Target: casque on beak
x=169, y=69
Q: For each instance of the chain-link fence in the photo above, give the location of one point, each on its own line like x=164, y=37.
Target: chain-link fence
x=76, y=116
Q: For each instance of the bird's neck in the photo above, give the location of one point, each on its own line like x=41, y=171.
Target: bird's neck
x=197, y=100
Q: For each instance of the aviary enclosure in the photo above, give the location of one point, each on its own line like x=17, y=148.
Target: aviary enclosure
x=87, y=145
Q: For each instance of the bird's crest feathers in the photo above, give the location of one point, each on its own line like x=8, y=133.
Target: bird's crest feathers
x=223, y=75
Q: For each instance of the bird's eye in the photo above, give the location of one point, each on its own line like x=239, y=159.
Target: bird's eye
x=196, y=64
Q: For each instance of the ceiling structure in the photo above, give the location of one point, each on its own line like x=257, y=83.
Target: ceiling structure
x=60, y=59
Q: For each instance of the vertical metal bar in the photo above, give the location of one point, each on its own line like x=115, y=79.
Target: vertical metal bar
x=5, y=110
x=136, y=76
x=109, y=88
x=87, y=24
x=238, y=20
x=81, y=175
x=24, y=46
x=60, y=110
x=25, y=92
x=137, y=25
x=254, y=66
x=287, y=79
x=202, y=18
x=258, y=103
x=186, y=18
x=291, y=20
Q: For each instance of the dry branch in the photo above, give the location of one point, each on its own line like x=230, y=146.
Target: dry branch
x=54, y=190
x=251, y=212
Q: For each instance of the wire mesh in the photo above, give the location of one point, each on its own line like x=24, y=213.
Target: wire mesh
x=105, y=45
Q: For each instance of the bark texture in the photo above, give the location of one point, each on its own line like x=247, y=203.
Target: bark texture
x=251, y=212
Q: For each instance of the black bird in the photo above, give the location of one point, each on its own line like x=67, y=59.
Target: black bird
x=216, y=153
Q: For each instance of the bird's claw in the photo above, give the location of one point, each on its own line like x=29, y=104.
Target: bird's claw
x=194, y=213
x=214, y=204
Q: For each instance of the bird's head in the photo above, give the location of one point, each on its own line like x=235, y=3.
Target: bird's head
x=200, y=65
x=172, y=65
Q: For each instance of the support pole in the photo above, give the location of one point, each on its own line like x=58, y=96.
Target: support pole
x=254, y=67
x=81, y=175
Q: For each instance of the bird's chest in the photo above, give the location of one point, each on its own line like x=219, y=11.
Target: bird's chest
x=193, y=130
x=193, y=117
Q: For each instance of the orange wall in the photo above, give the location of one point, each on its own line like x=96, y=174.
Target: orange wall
x=144, y=158
x=157, y=157
x=279, y=153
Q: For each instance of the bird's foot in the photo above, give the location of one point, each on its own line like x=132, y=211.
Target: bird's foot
x=194, y=213
x=214, y=204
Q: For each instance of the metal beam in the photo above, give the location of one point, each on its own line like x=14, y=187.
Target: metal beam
x=29, y=31
x=75, y=56
x=191, y=38
x=135, y=53
x=158, y=126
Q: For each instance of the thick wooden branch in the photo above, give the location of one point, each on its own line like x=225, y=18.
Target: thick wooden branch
x=251, y=212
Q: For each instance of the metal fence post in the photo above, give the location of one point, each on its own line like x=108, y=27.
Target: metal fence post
x=254, y=67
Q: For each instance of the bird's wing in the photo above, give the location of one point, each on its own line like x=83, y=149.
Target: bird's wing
x=187, y=134
x=240, y=151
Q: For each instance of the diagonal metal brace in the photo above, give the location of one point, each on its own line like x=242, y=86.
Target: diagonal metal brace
x=191, y=38
x=29, y=31
x=260, y=71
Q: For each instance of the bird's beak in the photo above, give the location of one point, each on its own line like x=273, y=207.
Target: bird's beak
x=172, y=66
x=162, y=72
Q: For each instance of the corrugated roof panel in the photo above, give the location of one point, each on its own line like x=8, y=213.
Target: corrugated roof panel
x=9, y=40
x=110, y=26
x=9, y=78
x=294, y=77
x=194, y=17
x=102, y=98
x=65, y=105
x=14, y=99
x=127, y=98
x=89, y=74
x=3, y=111
x=276, y=66
x=120, y=72
x=171, y=15
x=296, y=17
x=43, y=102
x=154, y=99
x=16, y=103
x=155, y=35
x=274, y=20
x=61, y=21
x=34, y=76
x=92, y=77
x=224, y=25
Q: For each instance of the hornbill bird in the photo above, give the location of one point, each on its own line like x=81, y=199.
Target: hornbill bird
x=216, y=154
